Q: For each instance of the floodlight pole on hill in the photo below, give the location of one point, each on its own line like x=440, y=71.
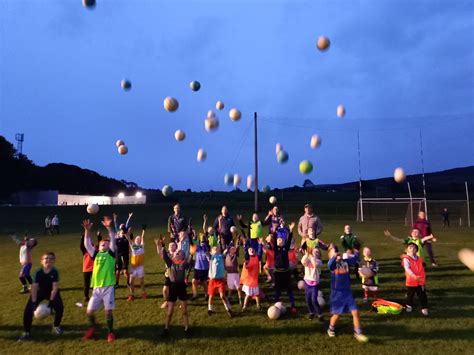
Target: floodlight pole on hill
x=468, y=211
x=360, y=181
x=411, y=203
x=423, y=174
x=256, y=160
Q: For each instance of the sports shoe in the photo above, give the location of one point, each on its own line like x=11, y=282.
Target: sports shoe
x=408, y=308
x=24, y=337
x=57, y=331
x=24, y=290
x=361, y=338
x=110, y=338
x=310, y=316
x=259, y=307
x=331, y=333
x=89, y=334
x=188, y=332
x=425, y=311
x=130, y=298
x=164, y=305
x=294, y=311
x=244, y=308
x=144, y=296
x=165, y=332
x=210, y=312
x=321, y=319
x=434, y=264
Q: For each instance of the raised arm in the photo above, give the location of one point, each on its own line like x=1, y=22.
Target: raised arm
x=143, y=234
x=260, y=249
x=428, y=237
x=388, y=234
x=81, y=245
x=107, y=223
x=130, y=215
x=87, y=225
x=114, y=215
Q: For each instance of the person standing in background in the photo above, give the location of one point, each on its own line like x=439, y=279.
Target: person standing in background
x=424, y=226
x=55, y=224
x=445, y=215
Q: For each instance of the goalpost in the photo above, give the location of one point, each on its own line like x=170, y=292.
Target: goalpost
x=402, y=209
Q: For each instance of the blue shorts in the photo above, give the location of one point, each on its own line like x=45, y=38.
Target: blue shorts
x=25, y=270
x=342, y=302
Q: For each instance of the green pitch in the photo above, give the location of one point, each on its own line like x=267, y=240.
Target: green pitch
x=448, y=329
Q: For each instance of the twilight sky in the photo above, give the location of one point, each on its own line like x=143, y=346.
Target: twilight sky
x=396, y=65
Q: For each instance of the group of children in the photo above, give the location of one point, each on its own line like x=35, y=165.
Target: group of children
x=216, y=268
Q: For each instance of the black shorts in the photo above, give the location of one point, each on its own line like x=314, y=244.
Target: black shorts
x=177, y=291
x=167, y=281
x=201, y=275
x=121, y=262
x=282, y=279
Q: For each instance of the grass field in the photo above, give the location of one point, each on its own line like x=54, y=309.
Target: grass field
x=449, y=328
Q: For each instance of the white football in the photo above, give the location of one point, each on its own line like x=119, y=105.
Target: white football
x=237, y=180
x=179, y=135
x=235, y=114
x=467, y=258
x=399, y=175
x=273, y=312
x=233, y=229
x=219, y=105
x=321, y=300
x=92, y=208
x=201, y=155
x=272, y=200
x=281, y=307
x=123, y=149
x=249, y=182
x=300, y=285
x=42, y=311
x=119, y=143
x=315, y=141
x=340, y=111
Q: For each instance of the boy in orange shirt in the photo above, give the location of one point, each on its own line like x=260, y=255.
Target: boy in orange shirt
x=415, y=278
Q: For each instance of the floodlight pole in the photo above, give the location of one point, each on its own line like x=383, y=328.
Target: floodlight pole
x=411, y=203
x=360, y=181
x=468, y=211
x=423, y=174
x=256, y=161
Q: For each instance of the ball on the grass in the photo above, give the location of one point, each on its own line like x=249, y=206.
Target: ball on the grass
x=300, y=285
x=42, y=311
x=315, y=141
x=219, y=105
x=179, y=135
x=266, y=189
x=281, y=307
x=235, y=114
x=233, y=229
x=92, y=208
x=195, y=85
x=201, y=155
x=126, y=84
x=211, y=124
x=88, y=4
x=323, y=43
x=306, y=167
x=282, y=157
x=466, y=256
x=273, y=312
x=340, y=111
x=119, y=143
x=366, y=272
x=123, y=149
x=399, y=175
x=170, y=104
x=237, y=180
x=272, y=200
x=167, y=190
x=228, y=179
x=321, y=300
x=249, y=182
x=278, y=148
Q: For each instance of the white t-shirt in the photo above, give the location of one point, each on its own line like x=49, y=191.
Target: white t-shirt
x=312, y=268
x=55, y=221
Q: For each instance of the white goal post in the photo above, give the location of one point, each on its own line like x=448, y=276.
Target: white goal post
x=390, y=209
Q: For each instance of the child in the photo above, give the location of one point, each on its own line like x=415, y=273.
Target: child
x=269, y=266
x=341, y=294
x=178, y=265
x=232, y=268
x=312, y=241
x=255, y=229
x=282, y=243
x=216, y=280
x=351, y=246
x=103, y=278
x=415, y=278
x=45, y=287
x=26, y=246
x=369, y=283
x=172, y=249
x=137, y=271
x=249, y=277
x=210, y=233
x=87, y=265
x=312, y=270
x=123, y=249
x=201, y=266
x=414, y=237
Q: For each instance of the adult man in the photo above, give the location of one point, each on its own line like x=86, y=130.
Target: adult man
x=55, y=224
x=309, y=220
x=445, y=215
x=273, y=220
x=176, y=223
x=47, y=225
x=222, y=225
x=425, y=230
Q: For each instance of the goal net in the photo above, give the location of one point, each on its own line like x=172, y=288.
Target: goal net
x=402, y=210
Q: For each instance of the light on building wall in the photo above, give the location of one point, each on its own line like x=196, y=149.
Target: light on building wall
x=139, y=194
x=121, y=195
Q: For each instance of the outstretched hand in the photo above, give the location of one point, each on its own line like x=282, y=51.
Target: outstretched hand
x=114, y=215
x=239, y=217
x=386, y=232
x=130, y=215
x=87, y=224
x=292, y=225
x=107, y=222
x=204, y=217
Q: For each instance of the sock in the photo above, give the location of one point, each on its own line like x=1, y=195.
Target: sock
x=209, y=307
x=357, y=330
x=92, y=320
x=110, y=324
x=332, y=328
x=227, y=307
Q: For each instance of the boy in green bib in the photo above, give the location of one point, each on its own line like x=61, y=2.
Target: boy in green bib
x=103, y=277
